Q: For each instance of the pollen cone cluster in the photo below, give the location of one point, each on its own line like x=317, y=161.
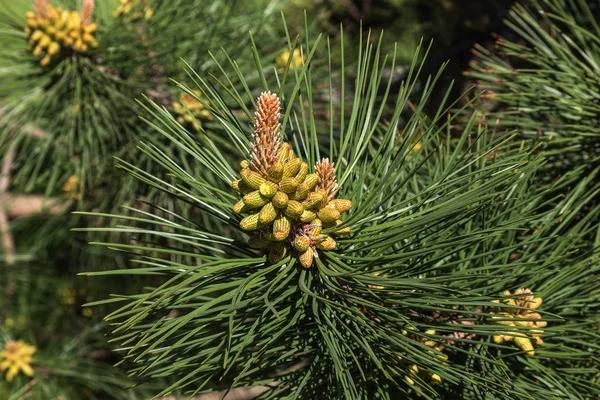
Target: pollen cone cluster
x=416, y=370
x=189, y=110
x=17, y=357
x=286, y=206
x=52, y=31
x=133, y=10
x=284, y=58
x=520, y=317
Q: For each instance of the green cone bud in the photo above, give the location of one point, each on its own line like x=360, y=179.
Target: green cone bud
x=294, y=209
x=328, y=215
x=301, y=192
x=277, y=252
x=258, y=242
x=253, y=179
x=280, y=200
x=306, y=258
x=249, y=223
x=291, y=167
x=343, y=231
x=255, y=199
x=281, y=228
x=312, y=200
x=276, y=172
x=268, y=189
x=241, y=186
x=302, y=172
x=240, y=207
x=307, y=216
x=316, y=228
x=284, y=151
x=311, y=181
x=267, y=214
x=341, y=205
x=327, y=243
x=525, y=345
x=288, y=185
x=301, y=243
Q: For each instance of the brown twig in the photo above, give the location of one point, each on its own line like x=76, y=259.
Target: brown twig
x=28, y=129
x=8, y=243
x=22, y=205
x=244, y=393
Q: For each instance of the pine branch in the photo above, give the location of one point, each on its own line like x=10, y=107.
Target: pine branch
x=436, y=227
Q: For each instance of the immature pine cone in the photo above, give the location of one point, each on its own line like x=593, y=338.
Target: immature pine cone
x=287, y=207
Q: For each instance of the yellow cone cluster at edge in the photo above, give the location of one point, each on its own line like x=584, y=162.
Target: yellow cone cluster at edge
x=16, y=357
x=188, y=110
x=133, y=10
x=284, y=58
x=53, y=33
x=286, y=207
x=520, y=317
x=416, y=370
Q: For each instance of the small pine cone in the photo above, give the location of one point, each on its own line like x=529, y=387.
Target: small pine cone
x=267, y=214
x=86, y=11
x=291, y=168
x=288, y=185
x=250, y=222
x=313, y=200
x=255, y=199
x=294, y=209
x=267, y=139
x=280, y=200
x=327, y=181
x=342, y=231
x=328, y=215
x=244, y=164
x=258, y=242
x=307, y=216
x=306, y=258
x=327, y=243
x=311, y=181
x=253, y=179
x=301, y=243
x=316, y=226
x=281, y=228
x=276, y=172
x=268, y=189
x=342, y=205
x=302, y=172
x=241, y=207
x=277, y=252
